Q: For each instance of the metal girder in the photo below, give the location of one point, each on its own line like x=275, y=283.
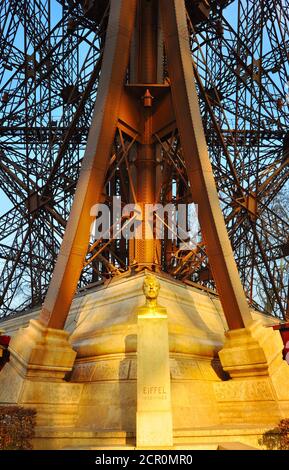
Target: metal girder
x=95, y=163
x=46, y=102
x=94, y=166
x=198, y=165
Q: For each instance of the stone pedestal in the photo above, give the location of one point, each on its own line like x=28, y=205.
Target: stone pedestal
x=96, y=404
x=41, y=352
x=154, y=410
x=39, y=360
x=258, y=392
x=252, y=352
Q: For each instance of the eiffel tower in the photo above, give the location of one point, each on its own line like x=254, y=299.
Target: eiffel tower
x=147, y=100
x=173, y=107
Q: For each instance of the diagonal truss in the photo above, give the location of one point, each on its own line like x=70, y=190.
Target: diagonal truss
x=51, y=56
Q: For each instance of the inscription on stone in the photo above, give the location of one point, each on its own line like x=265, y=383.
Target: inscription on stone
x=154, y=393
x=185, y=369
x=83, y=372
x=243, y=391
x=111, y=370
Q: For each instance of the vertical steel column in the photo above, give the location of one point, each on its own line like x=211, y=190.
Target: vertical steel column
x=146, y=72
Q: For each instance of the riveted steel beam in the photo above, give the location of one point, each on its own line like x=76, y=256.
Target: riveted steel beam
x=204, y=192
x=95, y=163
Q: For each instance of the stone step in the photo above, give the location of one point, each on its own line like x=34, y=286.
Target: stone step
x=200, y=446
x=240, y=437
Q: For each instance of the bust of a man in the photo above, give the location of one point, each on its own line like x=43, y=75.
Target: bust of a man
x=151, y=309
x=151, y=289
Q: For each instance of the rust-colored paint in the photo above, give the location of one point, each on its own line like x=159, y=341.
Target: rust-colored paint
x=189, y=122
x=89, y=188
x=142, y=107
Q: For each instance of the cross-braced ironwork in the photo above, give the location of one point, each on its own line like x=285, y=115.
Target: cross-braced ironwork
x=51, y=56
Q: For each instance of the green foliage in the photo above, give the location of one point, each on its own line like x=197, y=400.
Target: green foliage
x=277, y=438
x=16, y=427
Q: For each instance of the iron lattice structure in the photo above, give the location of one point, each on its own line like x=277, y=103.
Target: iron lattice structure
x=51, y=54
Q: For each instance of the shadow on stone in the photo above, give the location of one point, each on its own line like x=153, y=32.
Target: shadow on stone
x=128, y=389
x=217, y=366
x=5, y=358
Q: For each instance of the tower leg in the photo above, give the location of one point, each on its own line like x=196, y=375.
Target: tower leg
x=199, y=169
x=94, y=166
x=43, y=347
x=252, y=353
